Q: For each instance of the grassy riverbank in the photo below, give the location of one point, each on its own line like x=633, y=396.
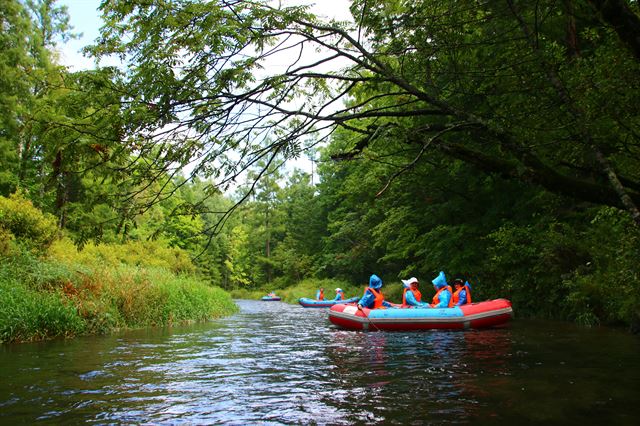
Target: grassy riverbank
x=50, y=288
x=49, y=297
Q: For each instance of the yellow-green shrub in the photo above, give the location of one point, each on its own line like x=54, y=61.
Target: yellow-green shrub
x=7, y=242
x=133, y=253
x=31, y=227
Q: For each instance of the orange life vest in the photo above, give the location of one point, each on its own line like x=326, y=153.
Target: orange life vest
x=436, y=298
x=456, y=296
x=321, y=295
x=379, y=298
x=416, y=294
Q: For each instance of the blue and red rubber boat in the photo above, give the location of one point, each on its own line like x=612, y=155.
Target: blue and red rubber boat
x=312, y=303
x=270, y=298
x=476, y=315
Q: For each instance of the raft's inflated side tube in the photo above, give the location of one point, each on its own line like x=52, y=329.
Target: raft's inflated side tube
x=475, y=315
x=270, y=299
x=312, y=303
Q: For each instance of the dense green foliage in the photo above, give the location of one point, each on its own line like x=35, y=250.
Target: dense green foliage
x=497, y=141
x=48, y=288
x=23, y=225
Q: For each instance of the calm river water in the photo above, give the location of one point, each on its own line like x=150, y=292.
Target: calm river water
x=275, y=363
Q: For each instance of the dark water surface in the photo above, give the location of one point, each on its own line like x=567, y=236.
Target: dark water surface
x=275, y=363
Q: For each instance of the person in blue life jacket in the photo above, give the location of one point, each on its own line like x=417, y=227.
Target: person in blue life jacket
x=411, y=296
x=442, y=298
x=339, y=294
x=372, y=297
x=462, y=292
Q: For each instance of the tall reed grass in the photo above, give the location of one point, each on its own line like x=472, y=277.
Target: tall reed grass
x=70, y=293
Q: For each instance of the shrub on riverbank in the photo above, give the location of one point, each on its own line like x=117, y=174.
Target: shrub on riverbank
x=49, y=288
x=49, y=298
x=154, y=254
x=587, y=271
x=24, y=226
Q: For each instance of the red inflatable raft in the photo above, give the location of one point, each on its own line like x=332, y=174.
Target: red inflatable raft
x=475, y=315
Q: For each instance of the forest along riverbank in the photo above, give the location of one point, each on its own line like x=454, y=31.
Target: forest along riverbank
x=506, y=154
x=280, y=363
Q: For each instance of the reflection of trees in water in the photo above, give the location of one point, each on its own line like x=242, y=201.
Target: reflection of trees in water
x=416, y=375
x=483, y=368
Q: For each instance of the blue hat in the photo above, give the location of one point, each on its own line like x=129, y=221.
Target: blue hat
x=375, y=282
x=440, y=281
x=466, y=283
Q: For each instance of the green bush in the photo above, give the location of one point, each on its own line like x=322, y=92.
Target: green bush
x=607, y=289
x=35, y=273
x=243, y=293
x=7, y=242
x=133, y=253
x=587, y=271
x=29, y=226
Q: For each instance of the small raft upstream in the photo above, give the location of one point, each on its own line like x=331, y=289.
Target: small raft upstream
x=270, y=298
x=475, y=315
x=312, y=303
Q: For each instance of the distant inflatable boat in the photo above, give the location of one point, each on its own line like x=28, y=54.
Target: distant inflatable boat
x=475, y=315
x=312, y=303
x=270, y=298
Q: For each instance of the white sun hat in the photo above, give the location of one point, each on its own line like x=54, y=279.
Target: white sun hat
x=410, y=281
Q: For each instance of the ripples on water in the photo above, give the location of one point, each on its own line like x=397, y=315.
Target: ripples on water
x=282, y=364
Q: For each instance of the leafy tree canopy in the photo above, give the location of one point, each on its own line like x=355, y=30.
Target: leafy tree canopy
x=538, y=92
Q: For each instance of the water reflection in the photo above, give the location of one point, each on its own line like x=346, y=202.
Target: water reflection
x=280, y=364
x=423, y=375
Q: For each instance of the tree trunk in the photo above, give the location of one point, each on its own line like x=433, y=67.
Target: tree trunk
x=61, y=189
x=268, y=245
x=571, y=34
x=617, y=187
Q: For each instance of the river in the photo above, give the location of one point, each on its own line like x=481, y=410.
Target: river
x=274, y=363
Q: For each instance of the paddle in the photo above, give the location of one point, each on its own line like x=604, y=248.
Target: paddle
x=367, y=317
